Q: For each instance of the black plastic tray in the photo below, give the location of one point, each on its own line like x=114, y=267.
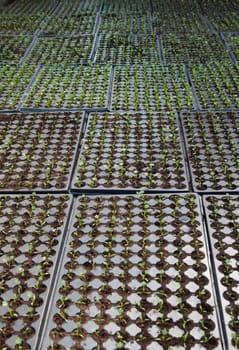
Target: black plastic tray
x=127, y=49
x=72, y=26
x=13, y=48
x=218, y=7
x=132, y=268
x=62, y=50
x=212, y=140
x=126, y=24
x=177, y=7
x=15, y=81
x=231, y=41
x=151, y=88
x=224, y=22
x=30, y=7
x=38, y=151
x=215, y=85
x=184, y=24
x=222, y=215
x=19, y=25
x=126, y=7
x=193, y=49
x=70, y=87
x=131, y=152
x=73, y=8
x=32, y=237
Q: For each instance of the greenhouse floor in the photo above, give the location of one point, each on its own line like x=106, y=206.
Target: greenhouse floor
x=119, y=180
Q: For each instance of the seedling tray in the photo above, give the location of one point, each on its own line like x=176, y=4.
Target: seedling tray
x=216, y=7
x=125, y=7
x=216, y=85
x=192, y=48
x=131, y=151
x=134, y=275
x=69, y=8
x=222, y=214
x=151, y=88
x=224, y=22
x=126, y=24
x=232, y=41
x=212, y=147
x=13, y=48
x=71, y=26
x=37, y=151
x=62, y=50
x=70, y=87
x=131, y=49
x=32, y=232
x=14, y=84
x=180, y=24
x=177, y=6
x=18, y=25
x=30, y=7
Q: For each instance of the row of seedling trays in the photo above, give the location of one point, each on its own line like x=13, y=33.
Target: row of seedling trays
x=105, y=87
x=120, y=272
x=232, y=42
x=28, y=7
x=119, y=152
x=117, y=49
x=76, y=24
x=207, y=7
x=85, y=23
x=92, y=23
x=70, y=8
x=190, y=19
x=55, y=7
x=218, y=17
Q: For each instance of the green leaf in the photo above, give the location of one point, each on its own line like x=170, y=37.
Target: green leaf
x=19, y=341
